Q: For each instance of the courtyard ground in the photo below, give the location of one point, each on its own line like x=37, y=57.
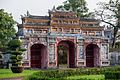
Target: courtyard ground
x=7, y=73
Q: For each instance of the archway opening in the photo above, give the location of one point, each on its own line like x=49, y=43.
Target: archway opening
x=62, y=55
x=66, y=54
x=38, y=56
x=92, y=55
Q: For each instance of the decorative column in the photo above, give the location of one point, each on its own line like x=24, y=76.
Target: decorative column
x=26, y=54
x=80, y=53
x=51, y=52
x=104, y=54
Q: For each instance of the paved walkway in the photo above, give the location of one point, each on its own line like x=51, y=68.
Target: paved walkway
x=19, y=78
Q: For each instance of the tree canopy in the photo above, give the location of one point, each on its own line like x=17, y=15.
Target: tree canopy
x=7, y=30
x=109, y=13
x=78, y=6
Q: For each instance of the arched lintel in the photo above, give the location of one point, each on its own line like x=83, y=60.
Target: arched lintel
x=31, y=44
x=94, y=44
x=69, y=41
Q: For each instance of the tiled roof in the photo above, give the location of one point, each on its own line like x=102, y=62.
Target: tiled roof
x=39, y=17
x=37, y=24
x=89, y=20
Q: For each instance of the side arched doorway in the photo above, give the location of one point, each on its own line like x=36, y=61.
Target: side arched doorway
x=1, y=60
x=92, y=55
x=38, y=56
x=66, y=54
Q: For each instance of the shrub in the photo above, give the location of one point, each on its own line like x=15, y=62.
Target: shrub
x=13, y=44
x=47, y=75
x=86, y=77
x=112, y=75
x=63, y=74
x=94, y=71
x=14, y=48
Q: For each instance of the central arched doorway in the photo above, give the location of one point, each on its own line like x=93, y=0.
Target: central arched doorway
x=38, y=56
x=92, y=55
x=66, y=54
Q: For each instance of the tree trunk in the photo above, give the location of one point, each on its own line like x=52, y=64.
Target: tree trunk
x=114, y=36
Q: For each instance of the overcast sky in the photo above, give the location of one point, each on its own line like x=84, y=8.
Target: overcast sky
x=36, y=7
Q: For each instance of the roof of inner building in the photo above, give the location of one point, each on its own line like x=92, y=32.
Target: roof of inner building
x=35, y=24
x=62, y=11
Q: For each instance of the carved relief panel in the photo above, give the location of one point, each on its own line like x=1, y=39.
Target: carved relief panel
x=51, y=53
x=81, y=53
x=104, y=50
x=25, y=53
x=42, y=40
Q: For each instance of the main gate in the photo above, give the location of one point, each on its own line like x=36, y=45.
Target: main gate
x=68, y=56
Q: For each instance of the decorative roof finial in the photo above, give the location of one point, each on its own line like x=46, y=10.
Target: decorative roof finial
x=22, y=16
x=28, y=14
x=54, y=9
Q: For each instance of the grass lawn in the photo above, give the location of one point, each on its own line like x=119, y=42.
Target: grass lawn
x=7, y=73
x=87, y=77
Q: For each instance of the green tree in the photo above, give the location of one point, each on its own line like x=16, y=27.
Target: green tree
x=109, y=13
x=78, y=6
x=16, y=51
x=7, y=30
